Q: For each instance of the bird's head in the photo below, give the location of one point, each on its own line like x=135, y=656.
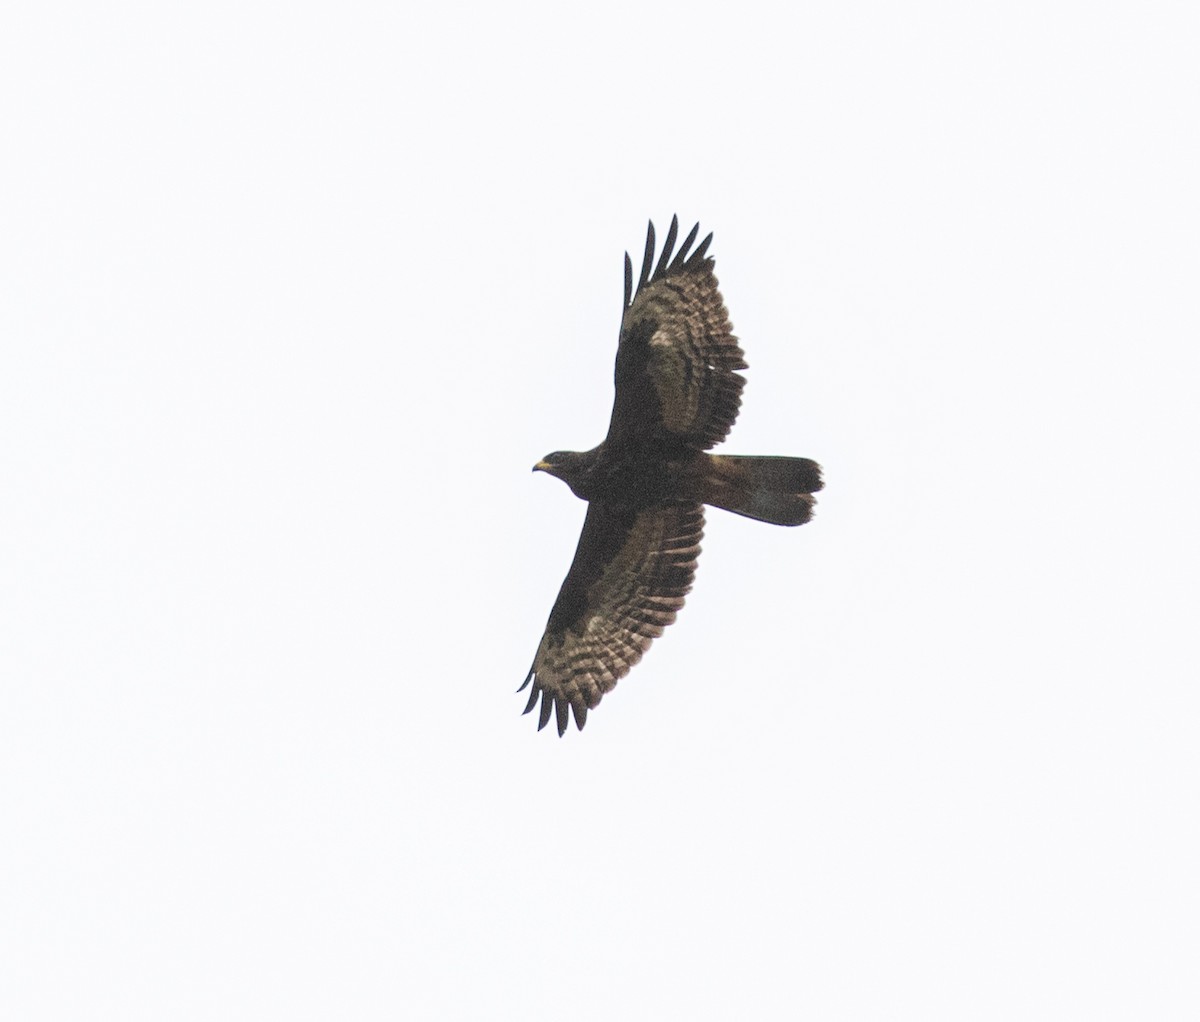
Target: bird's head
x=569, y=466
x=555, y=464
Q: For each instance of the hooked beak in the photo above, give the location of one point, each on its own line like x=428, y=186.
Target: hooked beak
x=542, y=466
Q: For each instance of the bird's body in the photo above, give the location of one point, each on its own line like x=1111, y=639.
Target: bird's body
x=677, y=394
x=624, y=474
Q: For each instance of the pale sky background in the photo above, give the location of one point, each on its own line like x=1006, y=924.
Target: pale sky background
x=291, y=299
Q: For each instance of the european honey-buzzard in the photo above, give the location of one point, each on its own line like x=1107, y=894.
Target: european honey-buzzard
x=678, y=391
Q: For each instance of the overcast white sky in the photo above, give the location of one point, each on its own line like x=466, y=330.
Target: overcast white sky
x=291, y=299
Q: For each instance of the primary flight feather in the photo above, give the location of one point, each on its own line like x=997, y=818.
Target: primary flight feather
x=678, y=391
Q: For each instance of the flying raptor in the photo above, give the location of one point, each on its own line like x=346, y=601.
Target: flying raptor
x=678, y=391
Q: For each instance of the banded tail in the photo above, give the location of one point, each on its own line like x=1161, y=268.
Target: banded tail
x=768, y=489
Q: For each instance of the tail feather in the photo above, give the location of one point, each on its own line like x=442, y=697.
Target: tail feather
x=769, y=489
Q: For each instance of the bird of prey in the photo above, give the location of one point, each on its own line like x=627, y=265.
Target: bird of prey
x=678, y=391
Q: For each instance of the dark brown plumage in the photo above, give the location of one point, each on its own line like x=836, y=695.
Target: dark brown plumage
x=677, y=394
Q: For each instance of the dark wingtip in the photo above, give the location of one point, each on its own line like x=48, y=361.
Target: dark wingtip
x=547, y=706
x=648, y=258
x=628, y=280
x=698, y=256
x=561, y=707
x=681, y=258
x=668, y=247
x=533, y=698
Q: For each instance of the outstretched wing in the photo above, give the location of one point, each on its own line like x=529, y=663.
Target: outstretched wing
x=676, y=379
x=631, y=572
